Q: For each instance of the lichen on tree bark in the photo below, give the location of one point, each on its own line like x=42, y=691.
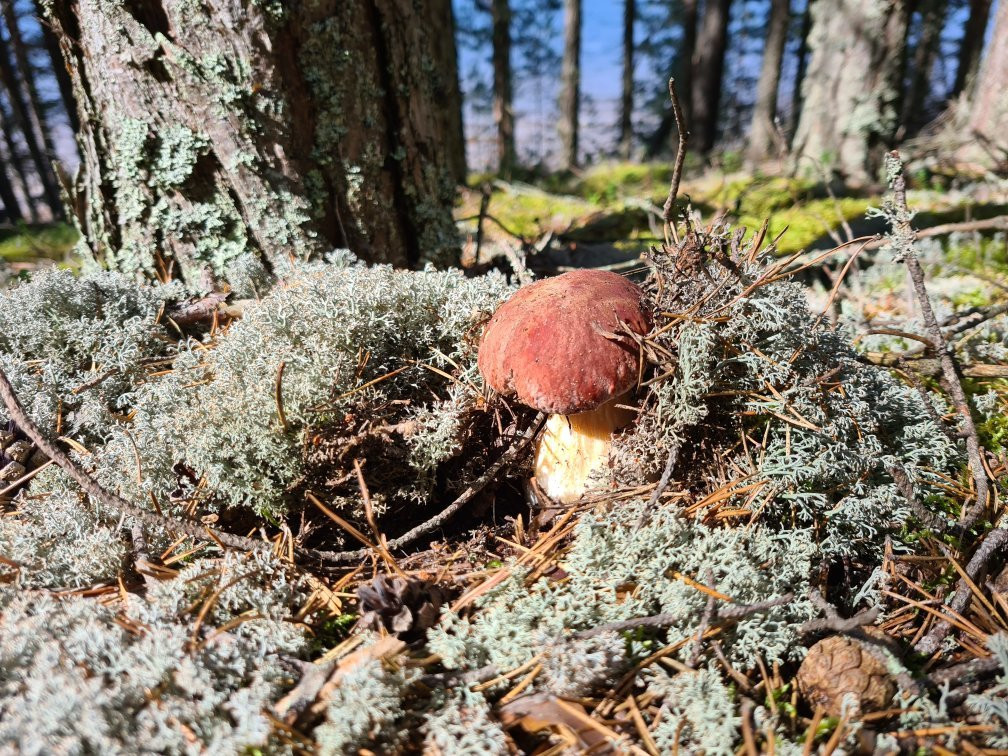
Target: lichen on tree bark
x=851, y=89
x=222, y=136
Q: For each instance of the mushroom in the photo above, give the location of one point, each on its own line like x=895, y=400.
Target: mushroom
x=556, y=346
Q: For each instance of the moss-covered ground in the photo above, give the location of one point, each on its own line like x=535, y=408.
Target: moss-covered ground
x=33, y=243
x=622, y=201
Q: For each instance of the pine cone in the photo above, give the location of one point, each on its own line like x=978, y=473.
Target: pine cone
x=401, y=606
x=839, y=665
x=18, y=455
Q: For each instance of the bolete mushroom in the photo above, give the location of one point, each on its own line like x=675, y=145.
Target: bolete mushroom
x=559, y=347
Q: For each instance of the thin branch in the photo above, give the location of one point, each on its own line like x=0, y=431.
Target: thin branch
x=992, y=543
x=833, y=621
x=1000, y=223
x=722, y=614
x=344, y=557
x=904, y=237
x=116, y=504
x=278, y=396
x=669, y=207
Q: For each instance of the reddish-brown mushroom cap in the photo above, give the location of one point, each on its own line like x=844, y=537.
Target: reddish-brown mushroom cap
x=548, y=344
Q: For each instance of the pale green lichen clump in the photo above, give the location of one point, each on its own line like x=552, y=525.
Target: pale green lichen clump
x=830, y=429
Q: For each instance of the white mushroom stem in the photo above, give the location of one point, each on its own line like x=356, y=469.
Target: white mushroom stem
x=572, y=447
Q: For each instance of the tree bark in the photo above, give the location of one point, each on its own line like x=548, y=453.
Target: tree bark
x=801, y=65
x=851, y=91
x=708, y=70
x=570, y=93
x=989, y=107
x=36, y=110
x=229, y=137
x=659, y=140
x=627, y=94
x=763, y=130
x=503, y=105
x=971, y=46
x=926, y=51
x=447, y=89
x=21, y=111
x=59, y=68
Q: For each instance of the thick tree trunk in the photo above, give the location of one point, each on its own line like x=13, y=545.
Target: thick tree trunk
x=922, y=65
x=851, y=89
x=503, y=105
x=17, y=164
x=36, y=110
x=59, y=68
x=971, y=46
x=989, y=107
x=708, y=70
x=229, y=137
x=22, y=114
x=763, y=132
x=627, y=94
x=570, y=93
x=659, y=140
x=447, y=89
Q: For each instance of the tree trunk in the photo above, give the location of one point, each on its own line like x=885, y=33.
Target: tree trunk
x=851, y=89
x=971, y=46
x=11, y=207
x=570, y=94
x=503, y=105
x=801, y=65
x=59, y=68
x=23, y=119
x=447, y=89
x=36, y=110
x=683, y=81
x=914, y=104
x=989, y=107
x=708, y=70
x=229, y=137
x=627, y=94
x=16, y=163
x=763, y=130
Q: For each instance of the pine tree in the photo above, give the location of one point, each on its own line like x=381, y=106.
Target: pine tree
x=627, y=93
x=503, y=100
x=851, y=90
x=763, y=130
x=25, y=108
x=708, y=73
x=570, y=94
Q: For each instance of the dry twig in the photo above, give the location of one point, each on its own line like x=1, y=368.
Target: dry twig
x=721, y=614
x=429, y=526
x=904, y=237
x=116, y=504
x=669, y=207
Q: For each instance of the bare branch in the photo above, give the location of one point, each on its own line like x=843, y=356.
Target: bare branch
x=677, y=169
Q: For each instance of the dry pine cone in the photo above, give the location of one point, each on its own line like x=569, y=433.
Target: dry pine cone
x=838, y=666
x=402, y=606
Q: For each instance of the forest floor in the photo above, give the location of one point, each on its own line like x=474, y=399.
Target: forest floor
x=825, y=394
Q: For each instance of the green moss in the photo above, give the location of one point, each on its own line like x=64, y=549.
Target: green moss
x=43, y=242
x=808, y=223
x=610, y=181
x=978, y=253
x=529, y=212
